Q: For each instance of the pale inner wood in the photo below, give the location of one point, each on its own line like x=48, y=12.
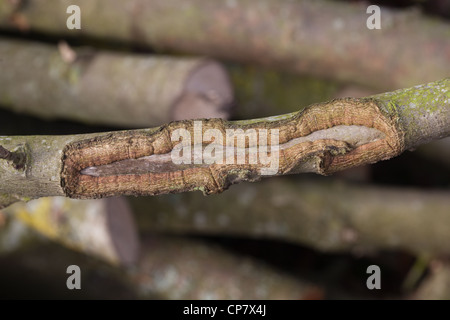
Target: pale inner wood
x=354, y=135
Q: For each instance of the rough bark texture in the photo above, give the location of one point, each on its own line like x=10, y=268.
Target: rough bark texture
x=110, y=88
x=326, y=216
x=423, y=111
x=101, y=228
x=323, y=138
x=323, y=38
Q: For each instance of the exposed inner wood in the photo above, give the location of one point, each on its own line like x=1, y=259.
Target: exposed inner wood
x=322, y=138
x=353, y=135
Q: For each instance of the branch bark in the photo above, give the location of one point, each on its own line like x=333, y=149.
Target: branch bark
x=323, y=138
x=323, y=38
x=110, y=88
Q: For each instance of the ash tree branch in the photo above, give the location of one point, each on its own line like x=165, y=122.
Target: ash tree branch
x=323, y=138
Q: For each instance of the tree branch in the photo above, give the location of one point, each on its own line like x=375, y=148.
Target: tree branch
x=126, y=90
x=102, y=228
x=330, y=216
x=323, y=138
x=323, y=38
x=16, y=158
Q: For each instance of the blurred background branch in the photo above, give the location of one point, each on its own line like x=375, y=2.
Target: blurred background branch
x=110, y=88
x=323, y=38
x=326, y=215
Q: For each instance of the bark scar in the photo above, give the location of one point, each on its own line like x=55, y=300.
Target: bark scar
x=323, y=138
